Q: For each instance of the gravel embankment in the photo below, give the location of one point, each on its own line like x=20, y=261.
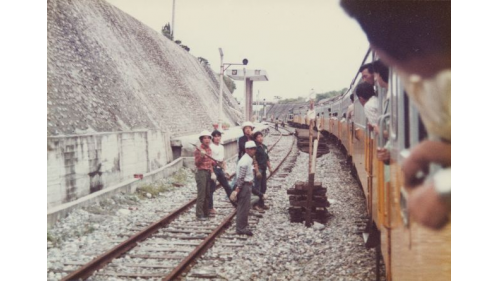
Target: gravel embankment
x=280, y=250
x=88, y=232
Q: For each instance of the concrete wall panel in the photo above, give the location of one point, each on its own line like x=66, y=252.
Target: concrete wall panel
x=81, y=165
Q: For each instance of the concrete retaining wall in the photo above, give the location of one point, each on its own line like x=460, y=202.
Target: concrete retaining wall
x=80, y=165
x=127, y=186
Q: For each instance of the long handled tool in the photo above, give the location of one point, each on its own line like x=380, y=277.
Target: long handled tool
x=219, y=163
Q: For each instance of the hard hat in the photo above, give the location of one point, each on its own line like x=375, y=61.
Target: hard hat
x=205, y=133
x=247, y=124
x=250, y=144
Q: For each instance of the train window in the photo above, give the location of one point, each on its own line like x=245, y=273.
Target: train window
x=394, y=88
x=417, y=129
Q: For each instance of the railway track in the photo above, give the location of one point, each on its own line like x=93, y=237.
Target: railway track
x=168, y=247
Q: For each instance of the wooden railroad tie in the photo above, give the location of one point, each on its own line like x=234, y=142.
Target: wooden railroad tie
x=298, y=202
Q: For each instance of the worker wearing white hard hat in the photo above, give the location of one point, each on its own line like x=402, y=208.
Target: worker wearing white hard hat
x=205, y=133
x=242, y=192
x=204, y=169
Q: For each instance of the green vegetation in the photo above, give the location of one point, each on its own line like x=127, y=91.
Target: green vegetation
x=51, y=238
x=319, y=96
x=330, y=94
x=230, y=84
x=167, y=32
x=292, y=100
x=154, y=189
x=176, y=180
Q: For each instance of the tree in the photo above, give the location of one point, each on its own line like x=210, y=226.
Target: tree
x=167, y=32
x=229, y=84
x=330, y=94
x=299, y=99
x=203, y=60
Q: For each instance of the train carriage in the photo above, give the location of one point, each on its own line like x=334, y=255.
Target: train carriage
x=409, y=250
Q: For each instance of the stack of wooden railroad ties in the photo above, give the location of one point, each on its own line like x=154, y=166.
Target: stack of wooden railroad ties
x=308, y=201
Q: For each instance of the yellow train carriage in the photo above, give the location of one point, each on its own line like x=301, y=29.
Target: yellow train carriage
x=409, y=250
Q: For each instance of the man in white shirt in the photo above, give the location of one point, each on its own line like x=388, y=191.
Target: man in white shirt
x=367, y=98
x=219, y=169
x=243, y=190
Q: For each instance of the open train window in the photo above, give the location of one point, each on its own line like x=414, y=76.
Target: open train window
x=417, y=131
x=394, y=89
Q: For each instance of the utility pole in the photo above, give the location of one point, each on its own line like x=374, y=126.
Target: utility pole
x=173, y=18
x=265, y=109
x=221, y=85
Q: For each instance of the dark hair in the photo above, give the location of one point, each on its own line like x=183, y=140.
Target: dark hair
x=404, y=29
x=216, y=133
x=381, y=69
x=352, y=97
x=365, y=90
x=368, y=66
x=256, y=134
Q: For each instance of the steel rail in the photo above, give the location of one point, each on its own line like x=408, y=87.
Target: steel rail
x=102, y=260
x=198, y=251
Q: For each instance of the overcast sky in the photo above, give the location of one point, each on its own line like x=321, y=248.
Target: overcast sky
x=301, y=44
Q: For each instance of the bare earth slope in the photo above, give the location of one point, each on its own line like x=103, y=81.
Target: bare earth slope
x=108, y=72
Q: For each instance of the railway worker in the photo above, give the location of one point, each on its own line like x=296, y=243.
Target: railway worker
x=219, y=169
x=247, y=128
x=243, y=190
x=415, y=39
x=369, y=101
x=204, y=167
x=263, y=163
x=366, y=71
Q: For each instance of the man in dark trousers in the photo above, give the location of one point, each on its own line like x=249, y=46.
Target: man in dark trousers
x=242, y=192
x=204, y=167
x=263, y=162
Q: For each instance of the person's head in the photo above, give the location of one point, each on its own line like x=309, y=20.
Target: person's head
x=250, y=148
x=352, y=97
x=247, y=128
x=412, y=36
x=366, y=71
x=381, y=73
x=216, y=136
x=258, y=137
x=205, y=137
x=364, y=91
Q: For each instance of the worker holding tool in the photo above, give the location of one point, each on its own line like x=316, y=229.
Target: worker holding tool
x=204, y=169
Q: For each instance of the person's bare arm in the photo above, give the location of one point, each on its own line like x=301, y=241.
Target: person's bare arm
x=422, y=155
